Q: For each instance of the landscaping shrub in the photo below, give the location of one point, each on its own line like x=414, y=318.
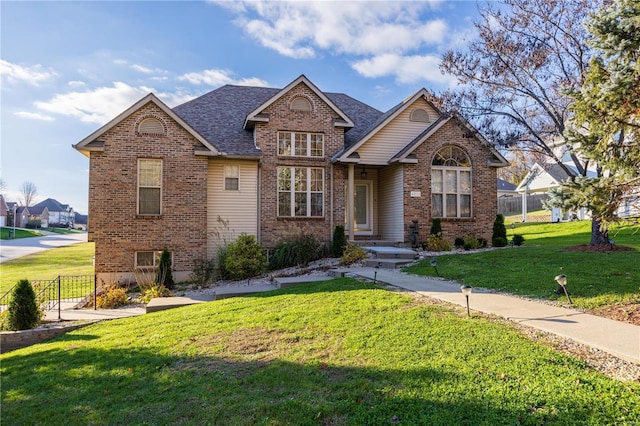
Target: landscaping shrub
x=163, y=275
x=203, y=271
x=304, y=248
x=482, y=242
x=4, y=321
x=436, y=242
x=458, y=242
x=352, y=253
x=471, y=242
x=518, y=240
x=339, y=241
x=24, y=312
x=244, y=258
x=436, y=227
x=113, y=296
x=499, y=236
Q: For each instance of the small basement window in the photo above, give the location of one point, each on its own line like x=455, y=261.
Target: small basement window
x=151, y=126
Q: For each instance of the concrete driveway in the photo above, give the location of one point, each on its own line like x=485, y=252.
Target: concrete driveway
x=13, y=249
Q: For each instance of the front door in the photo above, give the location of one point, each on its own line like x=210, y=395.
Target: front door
x=363, y=207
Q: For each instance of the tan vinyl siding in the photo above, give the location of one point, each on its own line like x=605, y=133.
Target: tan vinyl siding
x=395, y=136
x=231, y=212
x=390, y=203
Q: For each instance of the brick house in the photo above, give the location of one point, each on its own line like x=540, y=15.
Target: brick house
x=261, y=160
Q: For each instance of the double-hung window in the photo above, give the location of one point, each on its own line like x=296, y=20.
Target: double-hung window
x=149, y=186
x=451, y=184
x=301, y=144
x=231, y=178
x=300, y=192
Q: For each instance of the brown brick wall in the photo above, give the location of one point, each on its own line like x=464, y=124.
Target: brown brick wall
x=484, y=190
x=115, y=227
x=319, y=120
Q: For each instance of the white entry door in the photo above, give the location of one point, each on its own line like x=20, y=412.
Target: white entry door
x=363, y=207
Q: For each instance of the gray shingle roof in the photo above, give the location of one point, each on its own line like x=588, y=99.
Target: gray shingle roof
x=52, y=205
x=220, y=114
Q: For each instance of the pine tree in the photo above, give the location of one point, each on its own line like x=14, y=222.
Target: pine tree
x=24, y=312
x=164, y=275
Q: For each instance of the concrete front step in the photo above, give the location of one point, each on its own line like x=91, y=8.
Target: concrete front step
x=392, y=252
x=163, y=303
x=285, y=282
x=386, y=263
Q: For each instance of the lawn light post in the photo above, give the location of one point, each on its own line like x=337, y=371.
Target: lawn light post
x=375, y=273
x=434, y=263
x=562, y=283
x=466, y=290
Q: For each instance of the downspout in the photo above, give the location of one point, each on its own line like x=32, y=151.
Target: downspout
x=259, y=209
x=331, y=202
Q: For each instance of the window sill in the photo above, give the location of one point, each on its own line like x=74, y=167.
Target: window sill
x=148, y=216
x=314, y=218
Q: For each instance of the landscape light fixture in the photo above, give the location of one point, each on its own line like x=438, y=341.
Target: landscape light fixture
x=562, y=283
x=375, y=273
x=466, y=290
x=363, y=173
x=434, y=263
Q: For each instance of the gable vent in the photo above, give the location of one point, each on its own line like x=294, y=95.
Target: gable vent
x=151, y=126
x=301, y=104
x=419, y=115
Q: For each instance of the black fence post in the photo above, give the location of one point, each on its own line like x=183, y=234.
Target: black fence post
x=59, y=299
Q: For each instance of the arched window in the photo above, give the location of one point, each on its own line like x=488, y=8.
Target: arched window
x=451, y=183
x=301, y=104
x=151, y=126
x=420, y=115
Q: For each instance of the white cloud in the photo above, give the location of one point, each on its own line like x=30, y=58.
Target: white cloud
x=76, y=83
x=299, y=29
x=406, y=69
x=34, y=75
x=141, y=69
x=34, y=116
x=96, y=106
x=216, y=78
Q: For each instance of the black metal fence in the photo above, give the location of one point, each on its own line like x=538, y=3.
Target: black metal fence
x=63, y=292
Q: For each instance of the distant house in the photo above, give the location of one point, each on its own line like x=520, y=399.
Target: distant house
x=22, y=215
x=80, y=221
x=4, y=211
x=59, y=214
x=265, y=160
x=506, y=189
x=39, y=216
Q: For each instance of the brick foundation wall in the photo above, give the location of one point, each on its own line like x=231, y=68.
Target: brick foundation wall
x=115, y=226
x=484, y=202
x=319, y=120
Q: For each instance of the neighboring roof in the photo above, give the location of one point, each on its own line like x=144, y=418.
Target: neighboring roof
x=229, y=105
x=91, y=142
x=544, y=177
x=503, y=185
x=81, y=219
x=38, y=210
x=4, y=207
x=52, y=205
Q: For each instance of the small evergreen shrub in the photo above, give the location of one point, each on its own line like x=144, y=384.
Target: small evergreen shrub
x=471, y=242
x=245, y=258
x=499, y=232
x=113, y=296
x=24, y=312
x=203, y=271
x=499, y=242
x=352, y=254
x=436, y=227
x=435, y=242
x=518, y=240
x=482, y=242
x=339, y=241
x=458, y=242
x=163, y=274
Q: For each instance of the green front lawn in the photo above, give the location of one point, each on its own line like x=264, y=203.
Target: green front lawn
x=335, y=353
x=593, y=279
x=76, y=259
x=5, y=233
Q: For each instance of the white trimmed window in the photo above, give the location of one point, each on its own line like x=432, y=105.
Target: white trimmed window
x=451, y=183
x=300, y=192
x=231, y=178
x=149, y=186
x=301, y=144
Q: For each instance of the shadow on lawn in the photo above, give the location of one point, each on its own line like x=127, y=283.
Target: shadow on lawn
x=82, y=385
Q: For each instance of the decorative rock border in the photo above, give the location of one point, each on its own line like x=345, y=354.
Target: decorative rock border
x=11, y=340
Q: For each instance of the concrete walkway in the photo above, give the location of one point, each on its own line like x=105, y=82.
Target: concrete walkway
x=614, y=337
x=19, y=247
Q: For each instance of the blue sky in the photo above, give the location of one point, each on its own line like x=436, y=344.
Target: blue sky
x=69, y=67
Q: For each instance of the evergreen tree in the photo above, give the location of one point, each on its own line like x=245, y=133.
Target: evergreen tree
x=499, y=236
x=164, y=275
x=24, y=312
x=339, y=241
x=607, y=106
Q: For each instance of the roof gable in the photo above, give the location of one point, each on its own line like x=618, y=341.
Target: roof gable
x=90, y=143
x=257, y=116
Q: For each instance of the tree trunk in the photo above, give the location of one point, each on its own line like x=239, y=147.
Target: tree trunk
x=599, y=236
